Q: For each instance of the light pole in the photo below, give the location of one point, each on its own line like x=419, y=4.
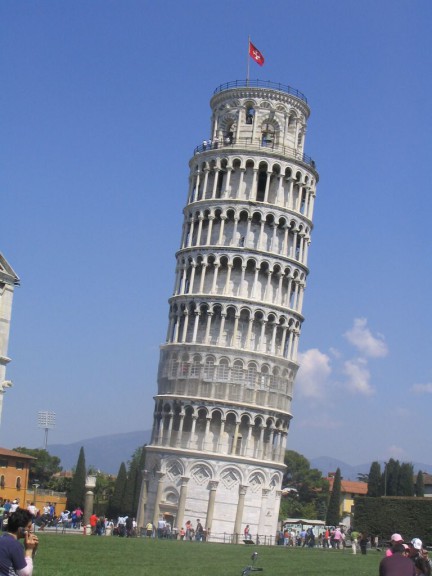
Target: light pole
x=46, y=420
x=35, y=487
x=385, y=478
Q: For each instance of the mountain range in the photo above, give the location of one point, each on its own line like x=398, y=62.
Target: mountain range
x=106, y=453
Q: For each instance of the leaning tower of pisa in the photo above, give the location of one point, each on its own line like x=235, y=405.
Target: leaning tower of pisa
x=227, y=368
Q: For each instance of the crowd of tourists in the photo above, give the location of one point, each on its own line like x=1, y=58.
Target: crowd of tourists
x=330, y=537
x=188, y=532
x=338, y=538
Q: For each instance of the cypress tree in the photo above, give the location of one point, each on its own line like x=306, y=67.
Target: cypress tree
x=374, y=482
x=133, y=484
x=420, y=485
x=391, y=474
x=406, y=480
x=76, y=494
x=130, y=488
x=333, y=510
x=116, y=505
x=140, y=468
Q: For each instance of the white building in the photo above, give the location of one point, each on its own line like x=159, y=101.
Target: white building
x=227, y=368
x=8, y=281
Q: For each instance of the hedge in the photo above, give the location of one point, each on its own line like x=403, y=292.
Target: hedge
x=410, y=517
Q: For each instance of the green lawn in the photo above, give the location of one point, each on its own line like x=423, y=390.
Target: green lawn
x=76, y=555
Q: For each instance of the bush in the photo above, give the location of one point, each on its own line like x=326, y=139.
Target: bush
x=386, y=515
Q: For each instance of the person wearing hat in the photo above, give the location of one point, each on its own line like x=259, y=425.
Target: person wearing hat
x=415, y=548
x=397, y=564
x=395, y=539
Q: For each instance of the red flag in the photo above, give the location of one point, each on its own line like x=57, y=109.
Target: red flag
x=255, y=54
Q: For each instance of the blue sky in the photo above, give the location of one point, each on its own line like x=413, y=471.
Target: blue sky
x=102, y=104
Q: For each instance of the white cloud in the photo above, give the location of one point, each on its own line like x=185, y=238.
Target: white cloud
x=422, y=388
x=358, y=376
x=313, y=374
x=396, y=452
x=362, y=338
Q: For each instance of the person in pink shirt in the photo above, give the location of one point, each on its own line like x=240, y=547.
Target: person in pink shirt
x=395, y=539
x=337, y=537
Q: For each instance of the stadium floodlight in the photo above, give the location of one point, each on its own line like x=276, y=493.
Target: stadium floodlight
x=46, y=420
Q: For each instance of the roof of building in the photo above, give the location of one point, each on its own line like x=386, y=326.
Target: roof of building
x=15, y=454
x=350, y=487
x=427, y=479
x=63, y=474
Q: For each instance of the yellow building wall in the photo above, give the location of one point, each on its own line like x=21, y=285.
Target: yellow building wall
x=10, y=471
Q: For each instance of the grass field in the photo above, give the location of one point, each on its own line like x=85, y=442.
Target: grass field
x=68, y=555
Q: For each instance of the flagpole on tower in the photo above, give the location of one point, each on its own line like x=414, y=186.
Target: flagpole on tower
x=248, y=59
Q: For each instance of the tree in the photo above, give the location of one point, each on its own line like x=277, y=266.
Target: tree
x=76, y=495
x=103, y=492
x=406, y=480
x=420, y=485
x=391, y=477
x=60, y=484
x=140, y=467
x=130, y=489
x=309, y=490
x=374, y=481
x=362, y=477
x=116, y=504
x=333, y=510
x=43, y=467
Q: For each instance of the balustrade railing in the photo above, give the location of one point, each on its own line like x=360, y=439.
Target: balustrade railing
x=256, y=450
x=261, y=84
x=227, y=391
x=254, y=144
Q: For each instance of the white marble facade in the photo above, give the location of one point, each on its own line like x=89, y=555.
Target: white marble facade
x=227, y=368
x=8, y=281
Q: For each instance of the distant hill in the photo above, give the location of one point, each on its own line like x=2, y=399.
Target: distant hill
x=106, y=453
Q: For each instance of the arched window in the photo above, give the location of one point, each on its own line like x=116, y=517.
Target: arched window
x=237, y=372
x=267, y=134
x=250, y=113
x=223, y=370
x=18, y=483
x=251, y=375
x=262, y=181
x=174, y=365
x=209, y=368
x=196, y=367
x=2, y=481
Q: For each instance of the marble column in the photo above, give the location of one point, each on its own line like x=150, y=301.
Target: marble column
x=213, y=484
x=239, y=513
x=182, y=502
x=160, y=477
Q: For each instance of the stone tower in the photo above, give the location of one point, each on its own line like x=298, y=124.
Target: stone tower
x=8, y=281
x=227, y=368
